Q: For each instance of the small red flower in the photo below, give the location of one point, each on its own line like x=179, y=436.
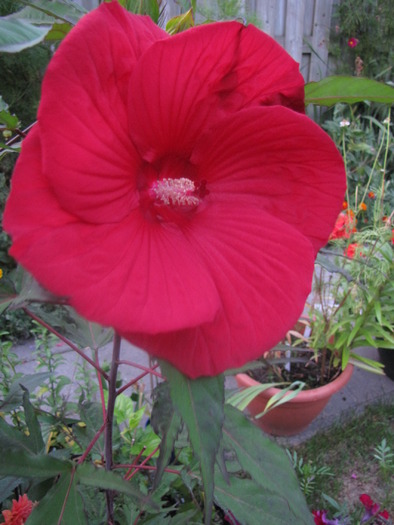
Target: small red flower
x=20, y=511
x=372, y=508
x=371, y=195
x=351, y=250
x=344, y=205
x=345, y=225
x=353, y=42
x=167, y=182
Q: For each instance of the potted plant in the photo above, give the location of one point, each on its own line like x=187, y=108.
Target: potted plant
x=350, y=306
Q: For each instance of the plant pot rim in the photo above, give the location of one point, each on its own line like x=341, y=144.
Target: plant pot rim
x=305, y=396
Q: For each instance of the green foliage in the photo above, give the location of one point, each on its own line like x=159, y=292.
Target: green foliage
x=334, y=89
x=371, y=22
x=310, y=476
x=348, y=449
x=385, y=457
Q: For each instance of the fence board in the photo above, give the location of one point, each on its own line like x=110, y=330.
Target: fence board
x=302, y=27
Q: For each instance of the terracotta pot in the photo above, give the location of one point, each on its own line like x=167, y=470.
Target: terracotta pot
x=294, y=416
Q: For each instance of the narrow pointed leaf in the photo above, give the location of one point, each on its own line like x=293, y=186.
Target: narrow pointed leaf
x=36, y=442
x=166, y=423
x=265, y=462
x=200, y=403
x=334, y=89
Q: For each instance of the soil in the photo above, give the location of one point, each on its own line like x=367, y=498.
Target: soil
x=301, y=366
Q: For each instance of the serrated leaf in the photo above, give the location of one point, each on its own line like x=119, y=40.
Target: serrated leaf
x=16, y=35
x=200, y=403
x=334, y=89
x=21, y=463
x=264, y=461
x=100, y=478
x=15, y=395
x=248, y=503
x=61, y=501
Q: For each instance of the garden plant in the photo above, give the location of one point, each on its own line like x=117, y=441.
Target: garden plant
x=174, y=191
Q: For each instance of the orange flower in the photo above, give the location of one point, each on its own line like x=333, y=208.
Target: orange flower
x=344, y=205
x=351, y=250
x=371, y=195
x=363, y=206
x=19, y=512
x=345, y=225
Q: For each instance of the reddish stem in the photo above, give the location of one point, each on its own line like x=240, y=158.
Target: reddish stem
x=92, y=443
x=138, y=378
x=65, y=340
x=141, y=464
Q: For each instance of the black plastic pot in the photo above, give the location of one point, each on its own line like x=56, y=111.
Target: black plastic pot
x=387, y=358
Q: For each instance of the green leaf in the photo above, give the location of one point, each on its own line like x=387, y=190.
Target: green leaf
x=47, y=12
x=21, y=463
x=11, y=437
x=7, y=486
x=36, y=442
x=265, y=462
x=180, y=23
x=200, y=403
x=6, y=118
x=245, y=499
x=62, y=501
x=334, y=89
x=100, y=478
x=16, y=35
x=356, y=328
x=167, y=424
x=15, y=394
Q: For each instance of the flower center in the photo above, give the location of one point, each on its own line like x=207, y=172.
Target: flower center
x=175, y=193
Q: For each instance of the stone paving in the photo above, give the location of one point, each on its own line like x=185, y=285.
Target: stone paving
x=363, y=389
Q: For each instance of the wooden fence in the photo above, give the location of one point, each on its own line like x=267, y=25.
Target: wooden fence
x=302, y=27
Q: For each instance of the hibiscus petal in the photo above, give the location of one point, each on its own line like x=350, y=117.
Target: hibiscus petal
x=134, y=275
x=182, y=83
x=280, y=161
x=88, y=155
x=262, y=268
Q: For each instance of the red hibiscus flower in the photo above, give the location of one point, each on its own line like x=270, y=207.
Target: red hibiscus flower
x=345, y=225
x=353, y=42
x=20, y=511
x=173, y=188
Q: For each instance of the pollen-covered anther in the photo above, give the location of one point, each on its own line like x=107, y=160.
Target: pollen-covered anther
x=175, y=192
